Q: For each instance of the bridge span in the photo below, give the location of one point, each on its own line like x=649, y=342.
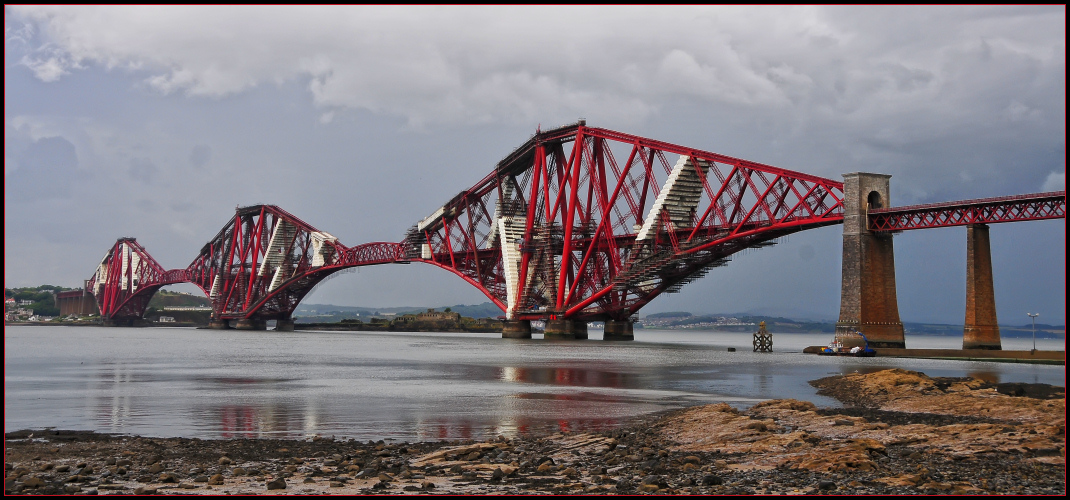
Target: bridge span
x=577, y=224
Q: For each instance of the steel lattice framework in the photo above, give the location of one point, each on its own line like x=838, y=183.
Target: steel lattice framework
x=577, y=223
x=1027, y=207
x=259, y=266
x=591, y=224
x=126, y=279
x=265, y=260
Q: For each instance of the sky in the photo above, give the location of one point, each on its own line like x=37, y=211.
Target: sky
x=157, y=121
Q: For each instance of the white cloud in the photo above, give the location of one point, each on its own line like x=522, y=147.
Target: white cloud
x=521, y=64
x=1056, y=181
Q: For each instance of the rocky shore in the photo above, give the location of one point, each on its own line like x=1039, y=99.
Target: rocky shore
x=901, y=432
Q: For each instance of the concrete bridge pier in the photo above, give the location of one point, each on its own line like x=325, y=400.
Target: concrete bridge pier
x=981, y=330
x=251, y=324
x=565, y=329
x=284, y=325
x=619, y=330
x=516, y=329
x=867, y=295
x=218, y=324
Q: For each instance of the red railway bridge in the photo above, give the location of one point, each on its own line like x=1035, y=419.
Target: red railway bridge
x=584, y=224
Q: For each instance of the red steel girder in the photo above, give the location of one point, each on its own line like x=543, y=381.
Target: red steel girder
x=126, y=280
x=1026, y=207
x=265, y=260
x=561, y=228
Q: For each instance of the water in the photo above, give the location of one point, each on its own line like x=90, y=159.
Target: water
x=413, y=386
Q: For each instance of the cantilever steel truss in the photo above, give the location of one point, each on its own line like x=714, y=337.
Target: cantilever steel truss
x=562, y=228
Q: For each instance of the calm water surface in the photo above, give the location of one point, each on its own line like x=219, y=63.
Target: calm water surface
x=409, y=386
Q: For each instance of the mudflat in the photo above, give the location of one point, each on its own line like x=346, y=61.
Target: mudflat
x=900, y=432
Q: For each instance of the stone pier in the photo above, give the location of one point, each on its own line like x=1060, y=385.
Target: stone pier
x=565, y=329
x=516, y=329
x=867, y=295
x=981, y=330
x=619, y=330
x=284, y=325
x=251, y=324
x=218, y=324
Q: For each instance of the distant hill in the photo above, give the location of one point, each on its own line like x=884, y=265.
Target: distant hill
x=325, y=313
x=744, y=322
x=166, y=298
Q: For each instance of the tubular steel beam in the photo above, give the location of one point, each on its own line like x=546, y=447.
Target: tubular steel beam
x=1019, y=208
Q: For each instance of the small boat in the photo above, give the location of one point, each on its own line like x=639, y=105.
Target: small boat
x=836, y=348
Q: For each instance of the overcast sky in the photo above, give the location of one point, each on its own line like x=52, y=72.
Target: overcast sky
x=155, y=122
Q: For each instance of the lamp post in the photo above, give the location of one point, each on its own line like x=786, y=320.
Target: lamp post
x=1033, y=316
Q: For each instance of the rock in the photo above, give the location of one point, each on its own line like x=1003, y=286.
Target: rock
x=712, y=480
x=216, y=479
x=826, y=485
x=497, y=475
x=428, y=485
x=33, y=482
x=691, y=459
x=309, y=480
x=155, y=468
x=63, y=468
x=109, y=461
x=335, y=484
x=238, y=471
x=167, y=477
x=384, y=477
x=142, y=490
x=123, y=462
x=225, y=461
x=473, y=456
x=657, y=481
x=200, y=479
x=277, y=484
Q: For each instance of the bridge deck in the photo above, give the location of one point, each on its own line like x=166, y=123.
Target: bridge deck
x=1026, y=207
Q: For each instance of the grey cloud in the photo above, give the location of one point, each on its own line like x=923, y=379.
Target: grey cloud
x=143, y=170
x=200, y=155
x=412, y=62
x=46, y=169
x=181, y=206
